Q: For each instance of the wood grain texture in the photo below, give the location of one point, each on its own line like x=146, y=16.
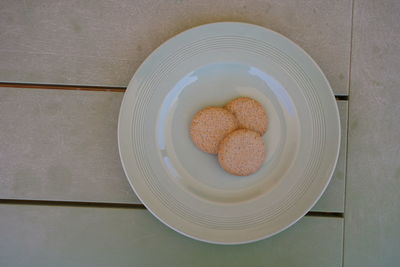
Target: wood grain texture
x=62, y=145
x=372, y=216
x=102, y=42
x=65, y=236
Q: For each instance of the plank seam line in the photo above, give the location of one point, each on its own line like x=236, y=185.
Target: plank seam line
x=348, y=127
x=89, y=204
x=89, y=88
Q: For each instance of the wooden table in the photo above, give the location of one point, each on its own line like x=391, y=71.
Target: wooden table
x=64, y=198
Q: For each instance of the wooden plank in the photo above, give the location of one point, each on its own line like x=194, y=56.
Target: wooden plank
x=103, y=42
x=372, y=236
x=70, y=236
x=62, y=145
x=34, y=151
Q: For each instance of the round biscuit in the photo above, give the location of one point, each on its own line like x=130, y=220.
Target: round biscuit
x=249, y=113
x=210, y=126
x=242, y=152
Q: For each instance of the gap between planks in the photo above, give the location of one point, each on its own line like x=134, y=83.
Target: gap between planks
x=91, y=88
x=66, y=203
x=64, y=87
x=119, y=205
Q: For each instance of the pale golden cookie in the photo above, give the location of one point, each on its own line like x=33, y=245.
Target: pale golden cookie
x=210, y=126
x=242, y=152
x=249, y=113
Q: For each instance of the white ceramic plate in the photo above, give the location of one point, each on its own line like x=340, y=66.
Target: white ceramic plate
x=210, y=65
